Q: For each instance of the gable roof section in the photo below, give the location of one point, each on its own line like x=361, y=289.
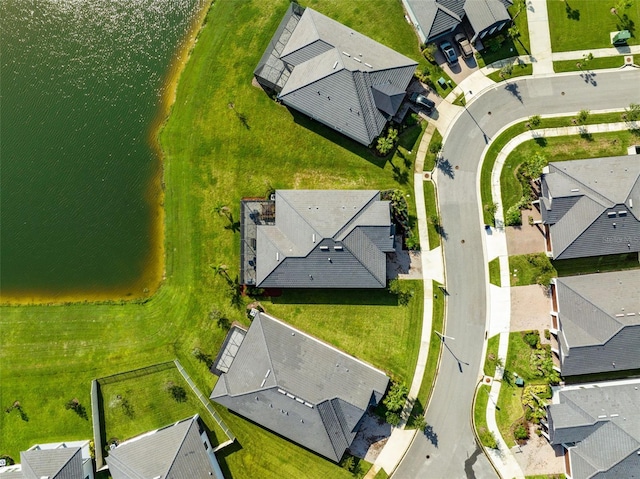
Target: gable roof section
x=612, y=409
x=599, y=322
x=589, y=207
x=173, y=452
x=60, y=463
x=299, y=387
x=336, y=75
x=325, y=238
x=483, y=14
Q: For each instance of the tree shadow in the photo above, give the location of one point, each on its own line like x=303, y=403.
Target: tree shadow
x=514, y=89
x=431, y=435
x=446, y=167
x=541, y=141
x=589, y=77
x=626, y=24
x=441, y=232
x=572, y=13
x=584, y=133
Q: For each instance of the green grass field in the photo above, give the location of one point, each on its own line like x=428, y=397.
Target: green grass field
x=49, y=354
x=518, y=71
x=432, y=210
x=595, y=64
x=491, y=360
x=430, y=158
x=586, y=24
x=480, y=417
x=494, y=272
x=435, y=345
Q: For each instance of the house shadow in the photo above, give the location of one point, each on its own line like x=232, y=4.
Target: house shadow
x=372, y=297
x=337, y=138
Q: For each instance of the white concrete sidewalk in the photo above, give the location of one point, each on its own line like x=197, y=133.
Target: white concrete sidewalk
x=597, y=53
x=539, y=37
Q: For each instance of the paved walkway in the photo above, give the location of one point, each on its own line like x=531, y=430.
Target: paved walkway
x=432, y=269
x=499, y=313
x=597, y=53
x=539, y=37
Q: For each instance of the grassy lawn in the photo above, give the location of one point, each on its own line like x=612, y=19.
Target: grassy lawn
x=480, y=417
x=509, y=48
x=381, y=474
x=49, y=354
x=435, y=345
x=432, y=209
x=586, y=24
x=518, y=71
x=430, y=158
x=514, y=130
x=532, y=268
x=491, y=359
x=136, y=405
x=494, y=272
x=460, y=100
x=560, y=148
x=595, y=64
x=547, y=476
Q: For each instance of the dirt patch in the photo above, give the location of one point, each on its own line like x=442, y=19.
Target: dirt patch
x=371, y=438
x=538, y=457
x=526, y=239
x=530, y=308
x=404, y=264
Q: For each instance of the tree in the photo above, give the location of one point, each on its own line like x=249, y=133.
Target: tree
x=396, y=397
x=532, y=167
x=583, y=115
x=633, y=112
x=506, y=71
x=435, y=146
x=384, y=146
x=513, y=32
x=534, y=121
x=178, y=393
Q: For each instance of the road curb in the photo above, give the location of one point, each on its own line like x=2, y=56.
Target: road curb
x=475, y=432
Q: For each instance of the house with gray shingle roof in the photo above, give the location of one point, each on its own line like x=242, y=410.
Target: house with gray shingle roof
x=316, y=239
x=61, y=460
x=178, y=451
x=434, y=19
x=596, y=320
x=298, y=387
x=334, y=74
x=591, y=207
x=598, y=426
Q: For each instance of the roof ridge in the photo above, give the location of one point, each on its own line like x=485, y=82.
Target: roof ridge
x=302, y=217
x=587, y=300
x=626, y=201
x=341, y=232
x=586, y=187
x=332, y=72
x=448, y=12
x=258, y=317
x=184, y=437
x=355, y=231
x=586, y=227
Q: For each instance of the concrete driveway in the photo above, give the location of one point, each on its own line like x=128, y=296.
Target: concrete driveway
x=462, y=69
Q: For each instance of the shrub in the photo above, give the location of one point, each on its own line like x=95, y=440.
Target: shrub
x=429, y=52
x=513, y=217
x=413, y=242
x=392, y=418
x=396, y=397
x=521, y=432
x=178, y=393
x=535, y=121
x=384, y=146
x=435, y=147
x=532, y=338
x=402, y=290
x=547, y=334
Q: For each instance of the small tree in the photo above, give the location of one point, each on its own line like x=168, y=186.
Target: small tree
x=534, y=121
x=435, y=146
x=633, y=112
x=429, y=52
x=384, y=146
x=396, y=397
x=178, y=393
x=513, y=32
x=583, y=116
x=506, y=71
x=532, y=167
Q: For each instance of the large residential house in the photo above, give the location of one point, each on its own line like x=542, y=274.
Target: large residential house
x=591, y=207
x=596, y=319
x=334, y=74
x=178, y=451
x=60, y=460
x=435, y=19
x=295, y=385
x=598, y=426
x=316, y=239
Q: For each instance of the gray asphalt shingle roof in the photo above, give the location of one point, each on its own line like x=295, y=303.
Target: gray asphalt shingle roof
x=299, y=387
x=599, y=318
x=325, y=239
x=173, y=452
x=437, y=17
x=591, y=206
x=603, y=420
x=335, y=75
x=60, y=463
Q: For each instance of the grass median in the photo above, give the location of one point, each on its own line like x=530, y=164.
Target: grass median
x=49, y=354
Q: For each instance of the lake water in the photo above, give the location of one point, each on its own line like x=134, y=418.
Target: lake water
x=81, y=89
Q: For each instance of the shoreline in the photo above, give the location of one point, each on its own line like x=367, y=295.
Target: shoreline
x=154, y=274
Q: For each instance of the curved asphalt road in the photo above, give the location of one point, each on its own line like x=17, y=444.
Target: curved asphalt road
x=448, y=450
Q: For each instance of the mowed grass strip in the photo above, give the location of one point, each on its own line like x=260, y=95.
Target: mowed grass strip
x=50, y=354
x=132, y=406
x=586, y=24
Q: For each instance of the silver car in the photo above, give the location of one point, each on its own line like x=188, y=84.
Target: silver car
x=463, y=43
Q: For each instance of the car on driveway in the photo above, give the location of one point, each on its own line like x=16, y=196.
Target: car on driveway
x=449, y=53
x=463, y=43
x=422, y=101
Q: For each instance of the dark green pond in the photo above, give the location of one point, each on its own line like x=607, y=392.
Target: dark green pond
x=81, y=85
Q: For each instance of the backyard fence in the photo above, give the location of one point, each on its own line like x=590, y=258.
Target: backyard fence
x=136, y=373
x=95, y=417
x=205, y=402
